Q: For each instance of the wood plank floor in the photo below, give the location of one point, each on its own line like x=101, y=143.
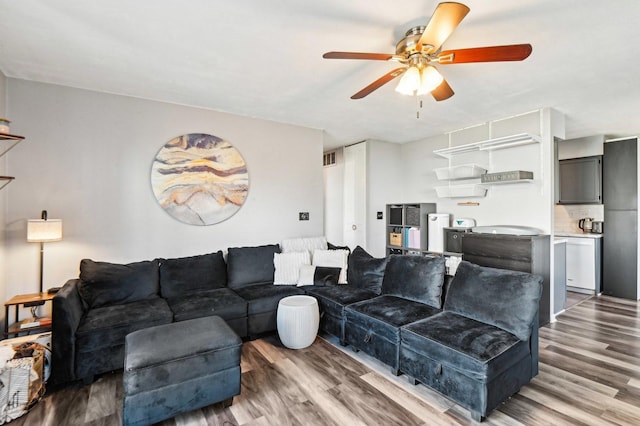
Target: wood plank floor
x=589, y=375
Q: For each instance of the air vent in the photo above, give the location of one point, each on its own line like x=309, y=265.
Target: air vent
x=329, y=158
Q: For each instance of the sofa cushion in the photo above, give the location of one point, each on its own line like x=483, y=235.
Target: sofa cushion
x=107, y=326
x=265, y=297
x=418, y=278
x=222, y=302
x=187, y=275
x=333, y=258
x=287, y=266
x=385, y=314
x=505, y=299
x=106, y=283
x=308, y=244
x=366, y=271
x=332, y=299
x=478, y=350
x=250, y=265
x=335, y=247
x=318, y=275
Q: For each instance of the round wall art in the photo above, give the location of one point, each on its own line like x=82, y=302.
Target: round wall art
x=199, y=179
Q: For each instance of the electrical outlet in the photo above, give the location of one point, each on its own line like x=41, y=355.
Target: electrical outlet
x=303, y=216
x=379, y=215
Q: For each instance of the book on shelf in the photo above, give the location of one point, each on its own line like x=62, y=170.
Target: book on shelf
x=29, y=323
x=35, y=322
x=45, y=321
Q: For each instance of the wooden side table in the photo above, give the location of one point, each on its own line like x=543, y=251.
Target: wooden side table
x=26, y=301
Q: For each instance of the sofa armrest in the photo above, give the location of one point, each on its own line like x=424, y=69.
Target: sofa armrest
x=68, y=309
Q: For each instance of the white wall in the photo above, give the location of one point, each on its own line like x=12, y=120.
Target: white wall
x=525, y=204
x=3, y=201
x=384, y=186
x=384, y=169
x=87, y=159
x=581, y=147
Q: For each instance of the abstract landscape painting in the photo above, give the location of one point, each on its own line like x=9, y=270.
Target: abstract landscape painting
x=200, y=179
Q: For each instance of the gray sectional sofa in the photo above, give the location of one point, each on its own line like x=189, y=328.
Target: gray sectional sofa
x=93, y=314
x=473, y=338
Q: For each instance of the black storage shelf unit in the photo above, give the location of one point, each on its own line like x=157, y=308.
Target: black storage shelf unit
x=407, y=223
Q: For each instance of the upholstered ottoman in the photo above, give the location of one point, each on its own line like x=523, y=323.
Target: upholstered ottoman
x=179, y=367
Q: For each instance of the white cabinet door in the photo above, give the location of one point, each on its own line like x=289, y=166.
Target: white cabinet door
x=581, y=263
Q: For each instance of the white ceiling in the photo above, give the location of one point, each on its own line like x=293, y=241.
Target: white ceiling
x=263, y=59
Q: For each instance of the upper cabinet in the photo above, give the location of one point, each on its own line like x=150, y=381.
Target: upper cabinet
x=580, y=180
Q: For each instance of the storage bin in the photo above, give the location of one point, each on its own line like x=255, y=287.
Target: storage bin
x=395, y=239
x=462, y=171
x=412, y=216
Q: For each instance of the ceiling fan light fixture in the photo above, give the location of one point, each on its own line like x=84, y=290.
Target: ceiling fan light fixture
x=409, y=82
x=430, y=79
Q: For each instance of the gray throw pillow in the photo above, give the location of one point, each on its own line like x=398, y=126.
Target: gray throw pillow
x=326, y=275
x=104, y=283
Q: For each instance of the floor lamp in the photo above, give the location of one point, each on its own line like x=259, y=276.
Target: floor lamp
x=43, y=231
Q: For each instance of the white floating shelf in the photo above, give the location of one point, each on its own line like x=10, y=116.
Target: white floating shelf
x=461, y=191
x=490, y=144
x=504, y=182
x=462, y=171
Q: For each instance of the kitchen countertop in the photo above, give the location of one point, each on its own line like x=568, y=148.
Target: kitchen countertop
x=578, y=235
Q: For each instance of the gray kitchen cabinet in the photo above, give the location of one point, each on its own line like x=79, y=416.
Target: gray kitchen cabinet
x=515, y=252
x=580, y=180
x=620, y=245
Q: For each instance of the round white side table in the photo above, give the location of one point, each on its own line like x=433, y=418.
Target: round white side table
x=298, y=319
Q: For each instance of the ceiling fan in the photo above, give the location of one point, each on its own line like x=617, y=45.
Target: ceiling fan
x=421, y=48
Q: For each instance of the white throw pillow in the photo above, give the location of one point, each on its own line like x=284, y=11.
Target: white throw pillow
x=307, y=273
x=304, y=244
x=287, y=267
x=334, y=258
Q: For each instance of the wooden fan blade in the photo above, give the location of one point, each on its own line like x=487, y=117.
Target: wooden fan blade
x=379, y=83
x=442, y=92
x=444, y=20
x=358, y=55
x=513, y=52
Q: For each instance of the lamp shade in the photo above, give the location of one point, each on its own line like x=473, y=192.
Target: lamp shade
x=409, y=82
x=44, y=231
x=430, y=79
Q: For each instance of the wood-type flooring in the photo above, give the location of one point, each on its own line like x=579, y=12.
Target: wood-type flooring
x=589, y=375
